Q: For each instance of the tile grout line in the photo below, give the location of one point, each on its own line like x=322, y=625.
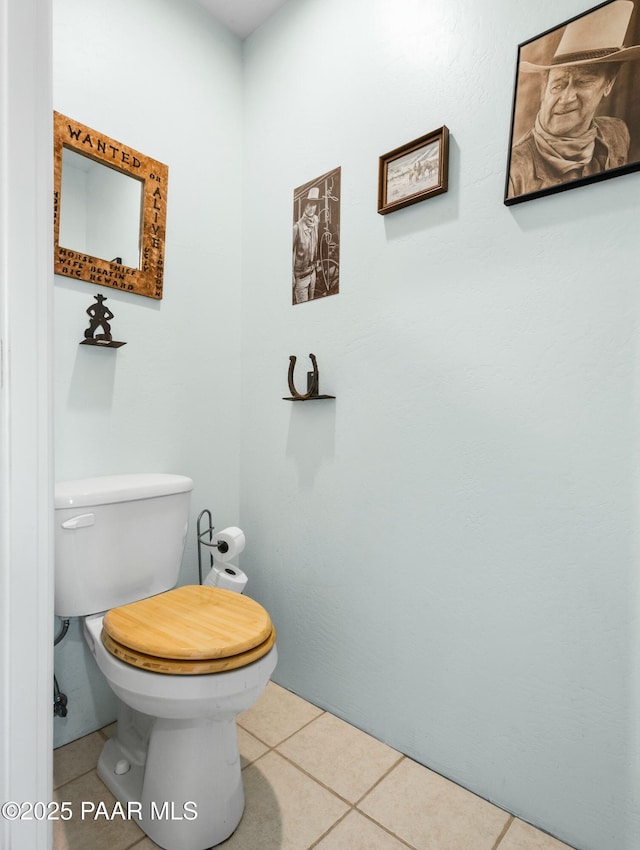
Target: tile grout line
x=137, y=842
x=370, y=818
x=273, y=746
x=379, y=780
x=319, y=782
x=330, y=830
x=259, y=758
x=74, y=778
x=386, y=829
x=353, y=807
x=312, y=777
x=380, y=826
x=504, y=832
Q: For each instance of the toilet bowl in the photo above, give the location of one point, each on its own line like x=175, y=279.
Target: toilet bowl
x=183, y=661
x=175, y=760
x=179, y=697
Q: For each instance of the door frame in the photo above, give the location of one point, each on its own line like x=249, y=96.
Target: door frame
x=26, y=476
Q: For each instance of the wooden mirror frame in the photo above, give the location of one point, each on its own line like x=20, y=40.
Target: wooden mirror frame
x=148, y=279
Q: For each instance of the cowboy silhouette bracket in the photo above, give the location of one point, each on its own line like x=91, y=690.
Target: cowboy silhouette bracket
x=313, y=382
x=100, y=317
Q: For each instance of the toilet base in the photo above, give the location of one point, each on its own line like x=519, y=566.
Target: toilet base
x=187, y=793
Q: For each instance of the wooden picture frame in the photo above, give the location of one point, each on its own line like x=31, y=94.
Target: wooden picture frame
x=414, y=172
x=74, y=262
x=559, y=139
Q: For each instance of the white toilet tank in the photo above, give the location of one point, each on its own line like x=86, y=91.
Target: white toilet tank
x=118, y=538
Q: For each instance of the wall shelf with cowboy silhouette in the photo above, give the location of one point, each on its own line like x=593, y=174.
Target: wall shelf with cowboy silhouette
x=313, y=383
x=102, y=343
x=100, y=317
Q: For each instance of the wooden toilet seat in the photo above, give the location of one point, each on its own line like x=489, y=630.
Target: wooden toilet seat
x=189, y=630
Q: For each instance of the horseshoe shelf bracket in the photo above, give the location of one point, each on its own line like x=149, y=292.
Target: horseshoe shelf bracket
x=313, y=382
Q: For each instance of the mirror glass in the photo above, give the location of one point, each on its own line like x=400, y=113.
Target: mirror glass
x=100, y=210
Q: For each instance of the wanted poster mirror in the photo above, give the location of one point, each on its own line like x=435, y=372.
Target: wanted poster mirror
x=110, y=207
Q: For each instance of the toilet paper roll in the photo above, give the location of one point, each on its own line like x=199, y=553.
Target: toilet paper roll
x=227, y=576
x=232, y=540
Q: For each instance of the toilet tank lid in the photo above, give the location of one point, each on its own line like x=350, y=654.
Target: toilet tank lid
x=108, y=489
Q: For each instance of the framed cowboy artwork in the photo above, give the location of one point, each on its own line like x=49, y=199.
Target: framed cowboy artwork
x=414, y=172
x=576, y=104
x=316, y=238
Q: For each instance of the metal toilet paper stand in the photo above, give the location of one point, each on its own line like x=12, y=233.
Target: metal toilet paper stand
x=210, y=543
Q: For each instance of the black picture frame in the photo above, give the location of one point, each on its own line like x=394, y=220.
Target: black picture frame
x=607, y=43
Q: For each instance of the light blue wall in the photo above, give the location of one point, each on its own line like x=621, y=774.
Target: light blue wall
x=165, y=79
x=448, y=550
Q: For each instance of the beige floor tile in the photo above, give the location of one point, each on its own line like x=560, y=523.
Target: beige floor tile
x=340, y=756
x=411, y=807
x=521, y=836
x=431, y=813
x=97, y=833
x=76, y=758
x=285, y=810
x=277, y=714
x=250, y=748
x=356, y=832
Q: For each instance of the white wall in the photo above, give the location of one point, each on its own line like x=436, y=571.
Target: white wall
x=165, y=79
x=448, y=550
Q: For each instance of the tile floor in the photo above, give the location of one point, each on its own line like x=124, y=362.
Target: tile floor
x=311, y=781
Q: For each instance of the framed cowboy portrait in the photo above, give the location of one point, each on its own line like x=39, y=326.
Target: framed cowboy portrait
x=576, y=104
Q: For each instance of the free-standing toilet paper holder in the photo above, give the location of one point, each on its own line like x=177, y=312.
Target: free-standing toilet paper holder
x=220, y=545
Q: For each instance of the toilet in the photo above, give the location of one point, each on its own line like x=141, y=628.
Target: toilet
x=182, y=661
